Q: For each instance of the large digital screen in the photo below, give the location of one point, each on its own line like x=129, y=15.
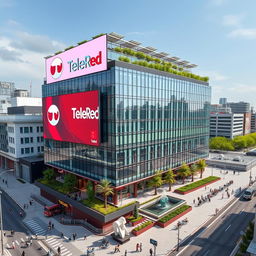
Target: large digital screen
x=81, y=60
x=73, y=117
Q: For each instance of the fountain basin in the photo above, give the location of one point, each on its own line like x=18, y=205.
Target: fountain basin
x=162, y=206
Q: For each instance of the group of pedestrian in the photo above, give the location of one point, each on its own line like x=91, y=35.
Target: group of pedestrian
x=50, y=225
x=25, y=206
x=139, y=247
x=74, y=235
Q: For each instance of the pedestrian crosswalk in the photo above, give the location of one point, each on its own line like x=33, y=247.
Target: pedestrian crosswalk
x=53, y=241
x=35, y=227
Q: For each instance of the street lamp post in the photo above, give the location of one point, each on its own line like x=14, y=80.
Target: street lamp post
x=250, y=178
x=1, y=217
x=178, y=244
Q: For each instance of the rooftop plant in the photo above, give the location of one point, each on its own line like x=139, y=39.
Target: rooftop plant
x=101, y=34
x=82, y=42
x=70, y=47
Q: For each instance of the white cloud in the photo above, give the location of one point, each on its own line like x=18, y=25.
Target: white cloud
x=22, y=58
x=247, y=33
x=232, y=20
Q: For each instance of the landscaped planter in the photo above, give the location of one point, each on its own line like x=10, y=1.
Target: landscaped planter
x=165, y=224
x=193, y=189
x=137, y=222
x=136, y=233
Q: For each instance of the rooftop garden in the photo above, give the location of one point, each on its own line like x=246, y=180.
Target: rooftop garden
x=151, y=62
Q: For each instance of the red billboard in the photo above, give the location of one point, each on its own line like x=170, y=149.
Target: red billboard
x=72, y=117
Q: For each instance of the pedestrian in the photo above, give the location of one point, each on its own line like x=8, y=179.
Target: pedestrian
x=61, y=235
x=74, y=237
x=4, y=234
x=222, y=195
x=84, y=237
x=50, y=223
x=194, y=201
x=49, y=228
x=52, y=226
x=24, y=206
x=140, y=247
x=137, y=247
x=117, y=248
x=216, y=211
x=21, y=214
x=125, y=253
x=23, y=253
x=151, y=252
x=6, y=183
x=30, y=202
x=58, y=250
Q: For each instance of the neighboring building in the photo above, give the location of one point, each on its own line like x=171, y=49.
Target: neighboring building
x=223, y=101
x=253, y=122
x=218, y=108
x=6, y=92
x=21, y=136
x=226, y=125
x=21, y=93
x=239, y=107
x=149, y=119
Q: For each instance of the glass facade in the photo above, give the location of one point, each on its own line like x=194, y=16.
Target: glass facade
x=150, y=120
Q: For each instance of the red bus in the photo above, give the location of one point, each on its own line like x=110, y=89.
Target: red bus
x=53, y=210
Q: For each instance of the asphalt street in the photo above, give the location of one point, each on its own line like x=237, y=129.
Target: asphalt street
x=220, y=235
x=13, y=221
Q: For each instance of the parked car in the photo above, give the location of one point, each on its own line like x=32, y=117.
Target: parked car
x=249, y=193
x=251, y=153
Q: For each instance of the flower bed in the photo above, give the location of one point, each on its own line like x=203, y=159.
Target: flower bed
x=173, y=216
x=196, y=185
x=143, y=228
x=137, y=221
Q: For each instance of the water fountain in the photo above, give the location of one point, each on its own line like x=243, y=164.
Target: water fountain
x=162, y=206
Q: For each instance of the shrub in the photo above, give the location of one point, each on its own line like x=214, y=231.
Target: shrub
x=101, y=34
x=174, y=213
x=70, y=47
x=123, y=58
x=82, y=42
x=197, y=183
x=145, y=224
x=49, y=175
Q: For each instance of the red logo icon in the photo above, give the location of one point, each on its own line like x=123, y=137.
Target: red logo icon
x=56, y=68
x=53, y=115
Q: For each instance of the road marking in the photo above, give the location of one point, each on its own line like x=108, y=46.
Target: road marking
x=227, y=228
x=43, y=246
x=206, y=252
x=17, y=242
x=22, y=240
x=207, y=226
x=7, y=252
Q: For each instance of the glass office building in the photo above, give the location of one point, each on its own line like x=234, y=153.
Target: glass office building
x=150, y=120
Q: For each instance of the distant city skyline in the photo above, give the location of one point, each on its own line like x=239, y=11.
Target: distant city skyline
x=217, y=35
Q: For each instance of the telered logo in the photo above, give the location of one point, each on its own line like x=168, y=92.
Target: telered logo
x=56, y=68
x=53, y=115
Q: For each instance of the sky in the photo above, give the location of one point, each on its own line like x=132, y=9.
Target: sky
x=217, y=35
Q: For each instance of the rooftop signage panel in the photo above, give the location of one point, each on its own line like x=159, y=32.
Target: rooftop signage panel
x=81, y=60
x=73, y=117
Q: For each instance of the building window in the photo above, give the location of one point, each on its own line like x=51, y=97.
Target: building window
x=22, y=151
x=42, y=148
x=37, y=129
x=21, y=140
x=41, y=129
x=21, y=129
x=27, y=140
x=26, y=130
x=27, y=150
x=32, y=150
x=38, y=149
x=42, y=138
x=31, y=129
x=31, y=139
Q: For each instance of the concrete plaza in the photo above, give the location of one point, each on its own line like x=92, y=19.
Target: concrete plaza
x=166, y=237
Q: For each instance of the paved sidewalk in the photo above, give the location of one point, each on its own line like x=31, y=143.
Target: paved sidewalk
x=167, y=237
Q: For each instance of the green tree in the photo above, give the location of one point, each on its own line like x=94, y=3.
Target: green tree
x=105, y=189
x=194, y=170
x=90, y=191
x=184, y=172
x=156, y=181
x=69, y=182
x=221, y=143
x=49, y=175
x=201, y=165
x=169, y=178
x=136, y=212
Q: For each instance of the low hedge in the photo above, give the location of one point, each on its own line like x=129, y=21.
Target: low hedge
x=145, y=224
x=174, y=213
x=197, y=183
x=58, y=186
x=132, y=219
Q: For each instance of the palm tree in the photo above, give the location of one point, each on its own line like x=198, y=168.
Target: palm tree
x=169, y=178
x=193, y=169
x=105, y=188
x=184, y=172
x=201, y=165
x=156, y=181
